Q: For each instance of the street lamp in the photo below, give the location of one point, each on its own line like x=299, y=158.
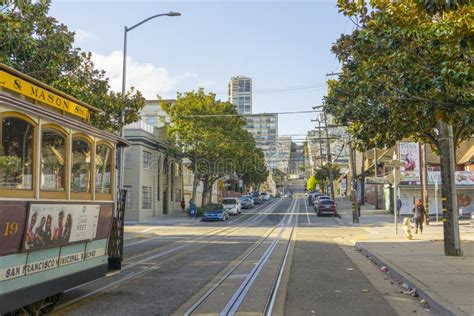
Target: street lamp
x=124, y=80
x=126, y=30
x=115, y=257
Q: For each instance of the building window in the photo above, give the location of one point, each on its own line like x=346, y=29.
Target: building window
x=177, y=195
x=128, y=158
x=146, y=160
x=53, y=160
x=103, y=169
x=16, y=154
x=128, y=196
x=146, y=197
x=81, y=165
x=151, y=120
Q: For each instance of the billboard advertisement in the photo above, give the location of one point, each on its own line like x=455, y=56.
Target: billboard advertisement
x=52, y=225
x=410, y=159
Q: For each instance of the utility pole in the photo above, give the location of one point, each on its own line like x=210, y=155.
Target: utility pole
x=396, y=162
x=320, y=146
x=452, y=243
x=424, y=181
x=355, y=205
x=328, y=148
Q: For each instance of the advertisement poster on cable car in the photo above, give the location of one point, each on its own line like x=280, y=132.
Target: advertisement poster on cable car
x=51, y=225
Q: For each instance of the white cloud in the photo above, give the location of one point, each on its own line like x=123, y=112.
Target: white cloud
x=148, y=78
x=82, y=35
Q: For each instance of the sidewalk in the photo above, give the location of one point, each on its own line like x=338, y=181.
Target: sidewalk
x=446, y=283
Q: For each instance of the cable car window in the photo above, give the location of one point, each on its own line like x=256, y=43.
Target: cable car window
x=16, y=154
x=103, y=169
x=81, y=165
x=53, y=160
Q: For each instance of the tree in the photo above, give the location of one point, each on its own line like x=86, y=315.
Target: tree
x=402, y=71
x=279, y=177
x=38, y=45
x=407, y=73
x=322, y=175
x=212, y=135
x=311, y=183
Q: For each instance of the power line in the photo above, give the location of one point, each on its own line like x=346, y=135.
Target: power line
x=261, y=91
x=249, y=115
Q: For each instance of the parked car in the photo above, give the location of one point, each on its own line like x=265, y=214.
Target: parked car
x=318, y=199
x=312, y=196
x=327, y=206
x=215, y=215
x=232, y=205
x=265, y=196
x=257, y=199
x=246, y=202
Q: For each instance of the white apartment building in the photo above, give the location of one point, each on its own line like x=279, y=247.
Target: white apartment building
x=240, y=93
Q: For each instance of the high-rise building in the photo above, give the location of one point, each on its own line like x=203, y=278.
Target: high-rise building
x=240, y=93
x=264, y=128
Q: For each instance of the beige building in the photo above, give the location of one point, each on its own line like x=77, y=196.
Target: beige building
x=153, y=179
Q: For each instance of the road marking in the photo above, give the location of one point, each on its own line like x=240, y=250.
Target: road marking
x=307, y=213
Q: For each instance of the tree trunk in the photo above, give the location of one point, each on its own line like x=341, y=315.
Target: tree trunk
x=205, y=191
x=195, y=186
x=353, y=184
x=452, y=244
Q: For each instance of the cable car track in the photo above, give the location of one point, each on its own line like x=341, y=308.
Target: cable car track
x=235, y=301
x=208, y=238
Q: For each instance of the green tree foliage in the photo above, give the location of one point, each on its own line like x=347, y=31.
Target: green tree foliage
x=311, y=183
x=322, y=174
x=38, y=45
x=407, y=65
x=279, y=177
x=212, y=135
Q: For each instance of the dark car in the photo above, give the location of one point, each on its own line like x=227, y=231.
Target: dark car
x=257, y=199
x=327, y=207
x=215, y=215
x=246, y=202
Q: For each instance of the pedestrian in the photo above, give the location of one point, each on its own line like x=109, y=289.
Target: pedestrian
x=399, y=207
x=183, y=205
x=419, y=215
x=191, y=207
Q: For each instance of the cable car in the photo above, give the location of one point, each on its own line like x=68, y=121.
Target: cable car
x=57, y=193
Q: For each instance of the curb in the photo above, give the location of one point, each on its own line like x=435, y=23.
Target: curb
x=401, y=277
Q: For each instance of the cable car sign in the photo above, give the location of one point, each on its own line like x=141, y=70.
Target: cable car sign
x=30, y=90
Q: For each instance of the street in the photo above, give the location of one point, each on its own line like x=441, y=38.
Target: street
x=278, y=258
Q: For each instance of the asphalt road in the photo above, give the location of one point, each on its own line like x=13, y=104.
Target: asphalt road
x=279, y=258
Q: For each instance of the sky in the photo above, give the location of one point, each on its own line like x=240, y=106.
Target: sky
x=284, y=46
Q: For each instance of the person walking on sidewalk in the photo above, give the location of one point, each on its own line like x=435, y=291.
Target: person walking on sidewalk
x=183, y=205
x=419, y=215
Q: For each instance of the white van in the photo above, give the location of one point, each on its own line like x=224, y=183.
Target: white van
x=232, y=205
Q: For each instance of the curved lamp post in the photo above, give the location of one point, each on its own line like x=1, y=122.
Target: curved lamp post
x=124, y=79
x=126, y=30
